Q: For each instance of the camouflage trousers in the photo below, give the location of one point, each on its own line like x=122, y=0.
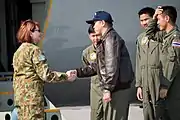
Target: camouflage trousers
x=31, y=112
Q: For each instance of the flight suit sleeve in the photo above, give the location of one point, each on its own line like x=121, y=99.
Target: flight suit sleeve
x=84, y=59
x=153, y=32
x=138, y=69
x=151, y=28
x=172, y=67
x=42, y=69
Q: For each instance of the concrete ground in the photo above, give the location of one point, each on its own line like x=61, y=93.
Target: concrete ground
x=83, y=113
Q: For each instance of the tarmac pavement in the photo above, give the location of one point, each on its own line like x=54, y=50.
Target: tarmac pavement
x=83, y=113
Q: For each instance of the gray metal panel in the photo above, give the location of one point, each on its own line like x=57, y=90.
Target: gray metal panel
x=66, y=36
x=3, y=47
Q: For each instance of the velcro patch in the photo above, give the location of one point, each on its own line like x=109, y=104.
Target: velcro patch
x=176, y=44
x=41, y=57
x=93, y=56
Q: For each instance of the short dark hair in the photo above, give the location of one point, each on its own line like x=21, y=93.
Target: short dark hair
x=147, y=10
x=91, y=29
x=171, y=12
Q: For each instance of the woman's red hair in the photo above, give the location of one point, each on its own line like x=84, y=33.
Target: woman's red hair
x=26, y=27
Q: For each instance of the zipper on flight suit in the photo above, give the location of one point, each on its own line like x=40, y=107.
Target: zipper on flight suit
x=148, y=66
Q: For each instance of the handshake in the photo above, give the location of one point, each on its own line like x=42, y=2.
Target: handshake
x=72, y=75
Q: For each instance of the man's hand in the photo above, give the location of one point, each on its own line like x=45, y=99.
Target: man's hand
x=158, y=11
x=139, y=94
x=106, y=96
x=163, y=93
x=72, y=75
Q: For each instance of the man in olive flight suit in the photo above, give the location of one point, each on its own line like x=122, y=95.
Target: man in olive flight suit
x=88, y=57
x=148, y=68
x=166, y=16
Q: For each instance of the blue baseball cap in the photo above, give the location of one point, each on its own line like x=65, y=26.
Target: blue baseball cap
x=100, y=15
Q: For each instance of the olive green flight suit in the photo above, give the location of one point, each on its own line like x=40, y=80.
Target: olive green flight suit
x=99, y=109
x=170, y=58
x=96, y=102
x=148, y=72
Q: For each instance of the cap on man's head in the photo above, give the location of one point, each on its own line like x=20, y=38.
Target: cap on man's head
x=101, y=15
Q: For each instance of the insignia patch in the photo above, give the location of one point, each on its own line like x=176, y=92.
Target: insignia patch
x=144, y=40
x=176, y=44
x=93, y=56
x=41, y=57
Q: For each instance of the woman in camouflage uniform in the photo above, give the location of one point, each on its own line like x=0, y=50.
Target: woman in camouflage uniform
x=31, y=71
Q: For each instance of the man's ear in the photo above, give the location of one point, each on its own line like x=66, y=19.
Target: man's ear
x=167, y=18
x=30, y=34
x=103, y=23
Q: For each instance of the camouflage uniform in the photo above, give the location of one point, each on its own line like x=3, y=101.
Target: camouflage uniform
x=96, y=102
x=31, y=71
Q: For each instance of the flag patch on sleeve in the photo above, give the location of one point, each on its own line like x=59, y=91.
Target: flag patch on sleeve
x=176, y=44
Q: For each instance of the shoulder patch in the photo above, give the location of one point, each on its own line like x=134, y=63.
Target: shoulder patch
x=176, y=41
x=93, y=56
x=176, y=44
x=41, y=57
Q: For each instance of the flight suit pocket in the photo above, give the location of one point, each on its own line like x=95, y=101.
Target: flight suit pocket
x=168, y=70
x=171, y=54
x=154, y=57
x=154, y=46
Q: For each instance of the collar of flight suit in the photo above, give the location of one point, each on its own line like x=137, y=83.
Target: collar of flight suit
x=94, y=48
x=171, y=32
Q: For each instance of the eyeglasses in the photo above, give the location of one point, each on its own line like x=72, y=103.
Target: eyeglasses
x=37, y=30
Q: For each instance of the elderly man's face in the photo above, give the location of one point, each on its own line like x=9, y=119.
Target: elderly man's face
x=98, y=25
